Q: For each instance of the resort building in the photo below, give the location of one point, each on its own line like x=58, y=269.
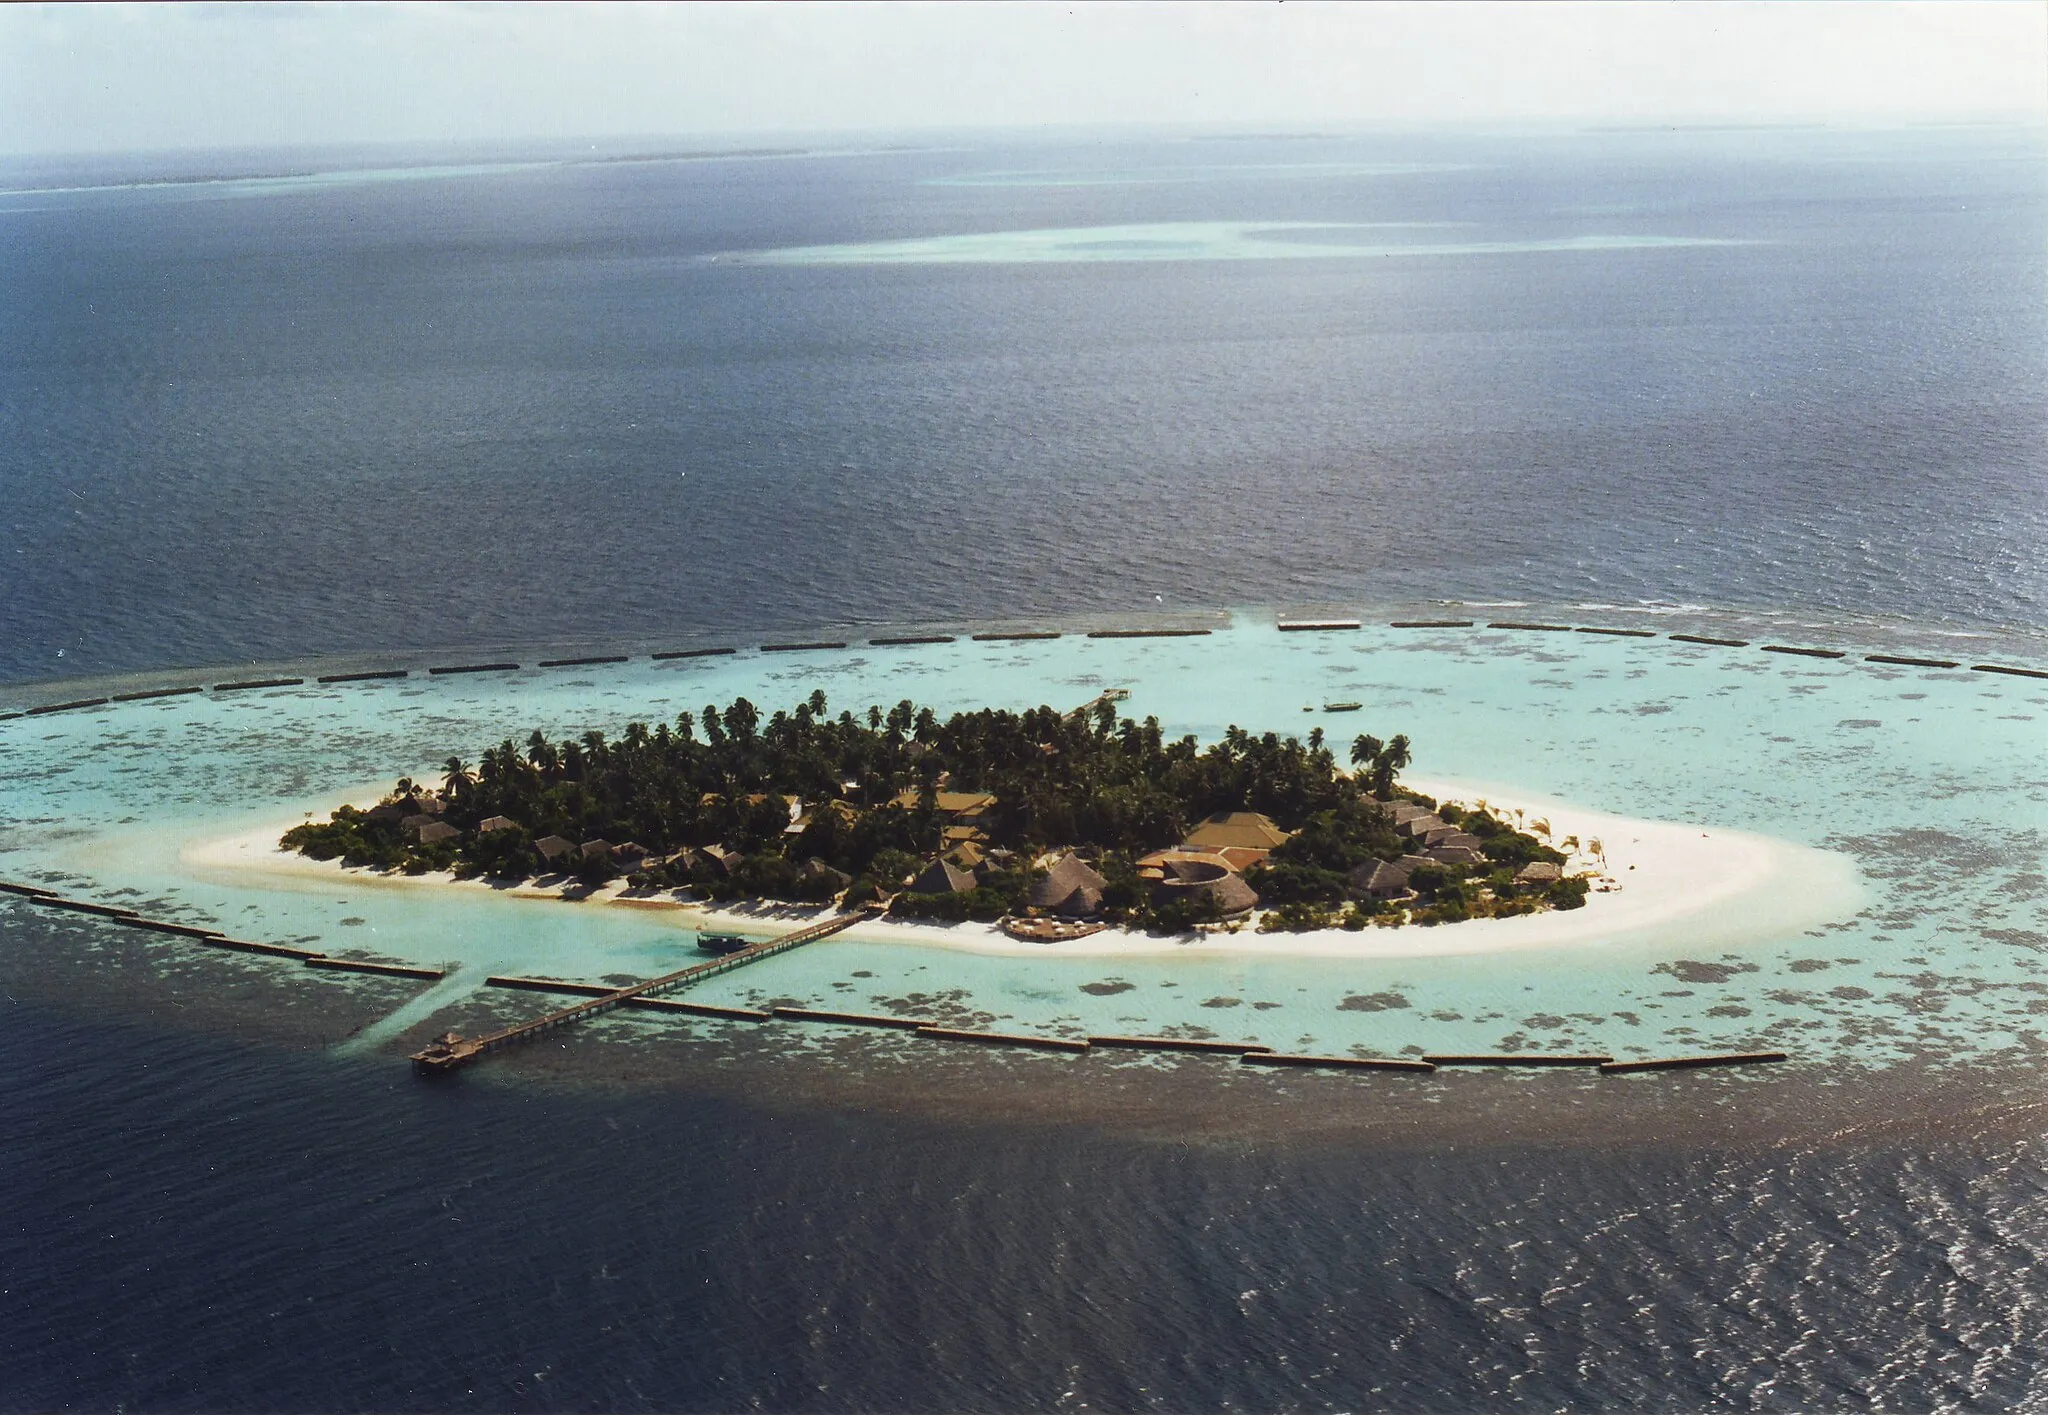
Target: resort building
x=1385, y=879
x=1070, y=887
x=1198, y=877
x=1246, y=832
x=1540, y=873
x=490, y=825
x=943, y=877
x=554, y=847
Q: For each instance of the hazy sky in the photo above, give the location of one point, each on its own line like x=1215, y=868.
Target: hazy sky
x=110, y=77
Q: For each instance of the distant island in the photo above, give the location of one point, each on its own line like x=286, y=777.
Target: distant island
x=1055, y=823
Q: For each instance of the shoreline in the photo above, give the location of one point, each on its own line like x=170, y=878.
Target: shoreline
x=1668, y=880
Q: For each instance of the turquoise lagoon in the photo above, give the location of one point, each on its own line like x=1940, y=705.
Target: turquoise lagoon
x=1929, y=783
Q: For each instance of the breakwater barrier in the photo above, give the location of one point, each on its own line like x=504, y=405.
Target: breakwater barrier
x=388, y=970
x=365, y=677
x=86, y=906
x=474, y=668
x=1804, y=652
x=1716, y=643
x=27, y=891
x=1910, y=662
x=153, y=693
x=584, y=662
x=850, y=1019
x=1516, y=1058
x=1536, y=628
x=1618, y=633
x=906, y=640
x=667, y=654
x=248, y=684
x=1003, y=1039
x=2001, y=668
x=1431, y=624
x=1349, y=1063
x=1147, y=633
x=1688, y=1063
x=802, y=648
x=1187, y=1044
x=1317, y=626
x=1018, y=634
x=71, y=706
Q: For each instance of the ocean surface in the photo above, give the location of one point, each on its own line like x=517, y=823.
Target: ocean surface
x=257, y=409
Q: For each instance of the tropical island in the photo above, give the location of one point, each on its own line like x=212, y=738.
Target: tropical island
x=1054, y=823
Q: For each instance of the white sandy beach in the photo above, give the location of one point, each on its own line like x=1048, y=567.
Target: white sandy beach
x=1671, y=882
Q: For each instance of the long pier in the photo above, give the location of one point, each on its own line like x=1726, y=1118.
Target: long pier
x=452, y=1051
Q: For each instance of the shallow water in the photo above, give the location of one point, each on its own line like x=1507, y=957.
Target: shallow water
x=1915, y=778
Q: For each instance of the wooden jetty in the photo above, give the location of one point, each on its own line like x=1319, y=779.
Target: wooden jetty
x=452, y=1051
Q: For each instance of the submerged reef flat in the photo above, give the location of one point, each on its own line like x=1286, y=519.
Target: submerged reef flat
x=1836, y=859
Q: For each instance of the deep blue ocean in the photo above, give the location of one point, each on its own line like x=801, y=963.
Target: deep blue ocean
x=556, y=396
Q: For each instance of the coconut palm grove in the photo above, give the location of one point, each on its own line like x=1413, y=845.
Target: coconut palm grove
x=992, y=814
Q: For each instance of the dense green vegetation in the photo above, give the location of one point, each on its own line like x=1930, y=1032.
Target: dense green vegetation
x=869, y=786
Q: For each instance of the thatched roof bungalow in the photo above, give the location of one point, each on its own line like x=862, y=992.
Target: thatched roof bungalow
x=942, y=877
x=1197, y=877
x=491, y=825
x=1238, y=830
x=554, y=847
x=1385, y=879
x=1070, y=887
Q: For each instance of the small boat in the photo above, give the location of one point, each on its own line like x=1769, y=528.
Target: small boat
x=723, y=943
x=1342, y=707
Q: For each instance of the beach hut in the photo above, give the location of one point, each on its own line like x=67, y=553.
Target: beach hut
x=434, y=831
x=595, y=849
x=1400, y=812
x=1539, y=874
x=554, y=847
x=1069, y=887
x=1384, y=879
x=816, y=869
x=631, y=853
x=1454, y=855
x=490, y=825
x=942, y=877
x=1418, y=827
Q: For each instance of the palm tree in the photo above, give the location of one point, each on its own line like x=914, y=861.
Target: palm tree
x=455, y=786
x=1364, y=748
